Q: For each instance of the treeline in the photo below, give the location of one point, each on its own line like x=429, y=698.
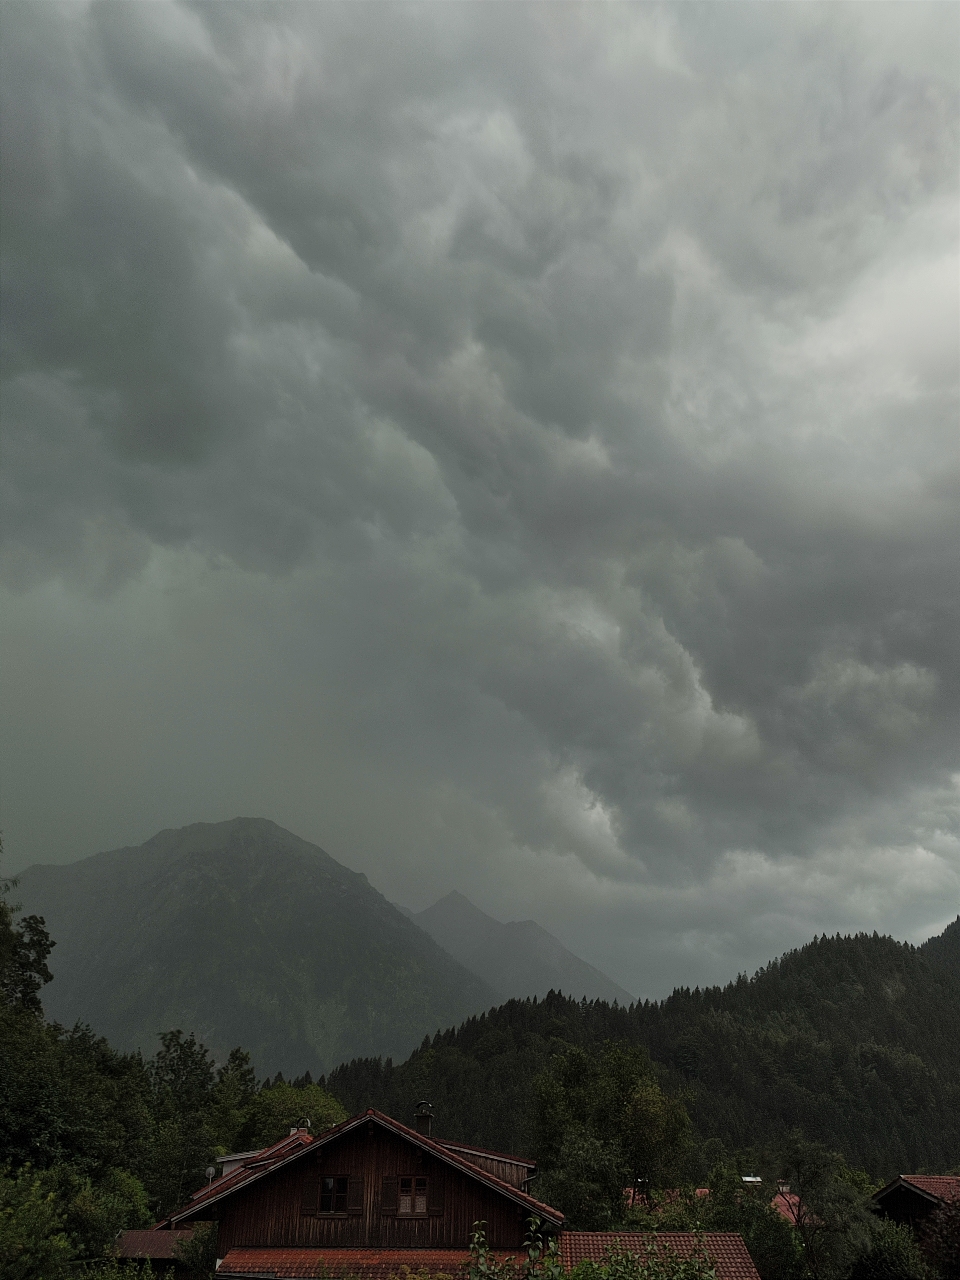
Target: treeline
x=851, y=1040
x=93, y=1141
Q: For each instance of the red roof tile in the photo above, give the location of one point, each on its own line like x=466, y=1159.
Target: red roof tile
x=150, y=1244
x=943, y=1186
x=787, y=1204
x=259, y=1163
x=366, y=1264
x=726, y=1251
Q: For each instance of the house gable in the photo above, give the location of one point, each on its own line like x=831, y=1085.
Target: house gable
x=910, y=1198
x=369, y=1182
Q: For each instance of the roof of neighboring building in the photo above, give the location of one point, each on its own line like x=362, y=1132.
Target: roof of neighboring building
x=150, y=1244
x=787, y=1203
x=365, y=1264
x=482, y=1151
x=292, y=1148
x=259, y=1163
x=726, y=1251
x=942, y=1187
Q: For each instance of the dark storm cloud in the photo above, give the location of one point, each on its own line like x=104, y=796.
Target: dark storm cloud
x=510, y=445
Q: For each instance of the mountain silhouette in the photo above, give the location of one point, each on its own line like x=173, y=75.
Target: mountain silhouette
x=246, y=935
x=516, y=959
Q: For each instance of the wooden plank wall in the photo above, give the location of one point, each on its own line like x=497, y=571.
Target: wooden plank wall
x=269, y=1212
x=506, y=1170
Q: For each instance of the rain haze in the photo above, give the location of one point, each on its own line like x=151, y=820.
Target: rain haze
x=513, y=446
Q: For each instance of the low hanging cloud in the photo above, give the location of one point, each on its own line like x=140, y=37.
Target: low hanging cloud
x=514, y=446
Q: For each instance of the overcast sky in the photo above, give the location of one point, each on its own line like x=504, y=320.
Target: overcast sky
x=514, y=446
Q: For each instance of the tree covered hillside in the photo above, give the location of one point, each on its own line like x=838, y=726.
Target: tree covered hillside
x=853, y=1041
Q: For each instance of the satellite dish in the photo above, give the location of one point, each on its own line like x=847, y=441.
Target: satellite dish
x=211, y=1172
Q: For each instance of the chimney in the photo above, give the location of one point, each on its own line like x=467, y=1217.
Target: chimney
x=423, y=1119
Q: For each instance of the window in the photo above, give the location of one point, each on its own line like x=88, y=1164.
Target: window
x=329, y=1193
x=413, y=1195
x=333, y=1195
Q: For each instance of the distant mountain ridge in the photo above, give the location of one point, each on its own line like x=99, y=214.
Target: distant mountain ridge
x=516, y=959
x=247, y=935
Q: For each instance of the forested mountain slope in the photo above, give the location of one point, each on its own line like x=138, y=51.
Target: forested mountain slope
x=944, y=950
x=244, y=934
x=519, y=958
x=852, y=1040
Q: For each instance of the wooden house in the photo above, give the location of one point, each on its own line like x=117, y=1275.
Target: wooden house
x=369, y=1183
x=373, y=1199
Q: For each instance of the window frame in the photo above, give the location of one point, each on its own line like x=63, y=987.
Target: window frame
x=335, y=1193
x=430, y=1193
x=414, y=1193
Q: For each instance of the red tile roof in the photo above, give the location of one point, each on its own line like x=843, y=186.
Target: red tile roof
x=943, y=1186
x=726, y=1251
x=787, y=1204
x=259, y=1163
x=287, y=1149
x=150, y=1244
x=366, y=1264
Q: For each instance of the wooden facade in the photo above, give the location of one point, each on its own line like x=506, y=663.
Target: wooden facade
x=370, y=1183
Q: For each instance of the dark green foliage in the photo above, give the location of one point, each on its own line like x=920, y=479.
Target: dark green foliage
x=940, y=1242
x=853, y=1041
x=480, y=1076
x=94, y=1212
x=894, y=1255
x=585, y=1180
x=834, y=1219
x=34, y=1244
x=182, y=1076
x=278, y=1108
x=67, y=1097
x=771, y=1241
x=24, y=948
x=602, y=1123
x=200, y=1112
x=198, y=1256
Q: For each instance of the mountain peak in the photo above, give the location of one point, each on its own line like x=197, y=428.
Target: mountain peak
x=517, y=959
x=246, y=934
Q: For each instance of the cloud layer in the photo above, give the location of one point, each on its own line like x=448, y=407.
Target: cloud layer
x=514, y=446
